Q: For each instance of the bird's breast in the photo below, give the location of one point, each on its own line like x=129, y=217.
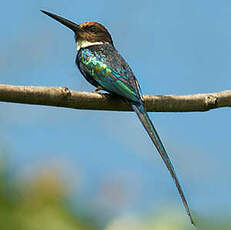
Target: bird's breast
x=94, y=64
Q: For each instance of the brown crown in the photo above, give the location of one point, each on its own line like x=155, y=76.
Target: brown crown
x=93, y=32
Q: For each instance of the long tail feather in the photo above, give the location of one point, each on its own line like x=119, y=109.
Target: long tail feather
x=147, y=123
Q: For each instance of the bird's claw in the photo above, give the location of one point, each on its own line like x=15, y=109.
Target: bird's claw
x=97, y=89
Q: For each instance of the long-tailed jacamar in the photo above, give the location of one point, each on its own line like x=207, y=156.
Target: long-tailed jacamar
x=102, y=66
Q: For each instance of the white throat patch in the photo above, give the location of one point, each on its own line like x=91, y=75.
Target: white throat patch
x=84, y=44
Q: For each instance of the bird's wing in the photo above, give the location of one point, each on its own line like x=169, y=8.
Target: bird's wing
x=111, y=72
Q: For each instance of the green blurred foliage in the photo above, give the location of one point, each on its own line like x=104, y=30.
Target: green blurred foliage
x=41, y=203
x=37, y=204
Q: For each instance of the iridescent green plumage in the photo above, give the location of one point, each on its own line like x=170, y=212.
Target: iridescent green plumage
x=107, y=68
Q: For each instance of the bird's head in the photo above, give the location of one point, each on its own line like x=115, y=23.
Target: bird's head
x=86, y=33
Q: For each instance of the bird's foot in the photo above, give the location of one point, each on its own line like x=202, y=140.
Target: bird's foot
x=97, y=89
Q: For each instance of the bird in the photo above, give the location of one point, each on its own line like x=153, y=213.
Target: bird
x=103, y=67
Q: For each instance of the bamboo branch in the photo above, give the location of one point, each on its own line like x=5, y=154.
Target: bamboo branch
x=63, y=97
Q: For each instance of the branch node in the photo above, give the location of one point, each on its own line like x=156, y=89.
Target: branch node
x=65, y=92
x=211, y=101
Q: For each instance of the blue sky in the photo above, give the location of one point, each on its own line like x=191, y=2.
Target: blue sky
x=174, y=47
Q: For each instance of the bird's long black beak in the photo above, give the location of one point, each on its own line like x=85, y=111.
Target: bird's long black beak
x=74, y=27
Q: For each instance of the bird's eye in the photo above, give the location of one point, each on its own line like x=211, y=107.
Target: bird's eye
x=93, y=29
